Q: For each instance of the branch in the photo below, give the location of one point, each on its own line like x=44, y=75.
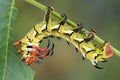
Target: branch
x=44, y=8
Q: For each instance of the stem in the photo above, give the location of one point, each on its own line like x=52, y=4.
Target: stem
x=44, y=8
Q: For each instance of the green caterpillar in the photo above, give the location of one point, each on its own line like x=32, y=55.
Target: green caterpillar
x=47, y=28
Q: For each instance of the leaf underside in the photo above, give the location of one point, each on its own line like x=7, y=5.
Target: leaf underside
x=11, y=68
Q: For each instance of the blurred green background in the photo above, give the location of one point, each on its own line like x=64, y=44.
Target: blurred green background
x=65, y=64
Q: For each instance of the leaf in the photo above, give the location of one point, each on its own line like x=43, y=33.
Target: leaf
x=11, y=68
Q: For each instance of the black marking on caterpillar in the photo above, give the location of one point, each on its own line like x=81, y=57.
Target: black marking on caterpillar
x=97, y=56
x=89, y=38
x=80, y=26
x=47, y=16
x=89, y=52
x=63, y=21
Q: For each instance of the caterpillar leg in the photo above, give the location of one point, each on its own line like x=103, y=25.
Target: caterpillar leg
x=49, y=52
x=42, y=49
x=39, y=53
x=95, y=62
x=96, y=66
x=43, y=52
x=31, y=52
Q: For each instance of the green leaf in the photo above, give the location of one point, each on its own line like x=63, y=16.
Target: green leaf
x=11, y=68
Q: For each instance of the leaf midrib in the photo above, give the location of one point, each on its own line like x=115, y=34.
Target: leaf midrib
x=9, y=24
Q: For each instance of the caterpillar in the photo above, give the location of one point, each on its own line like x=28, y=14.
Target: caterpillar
x=31, y=52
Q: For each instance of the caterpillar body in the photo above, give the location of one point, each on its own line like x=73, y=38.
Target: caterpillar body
x=47, y=28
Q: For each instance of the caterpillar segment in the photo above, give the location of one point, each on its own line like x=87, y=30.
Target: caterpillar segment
x=47, y=28
x=74, y=33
